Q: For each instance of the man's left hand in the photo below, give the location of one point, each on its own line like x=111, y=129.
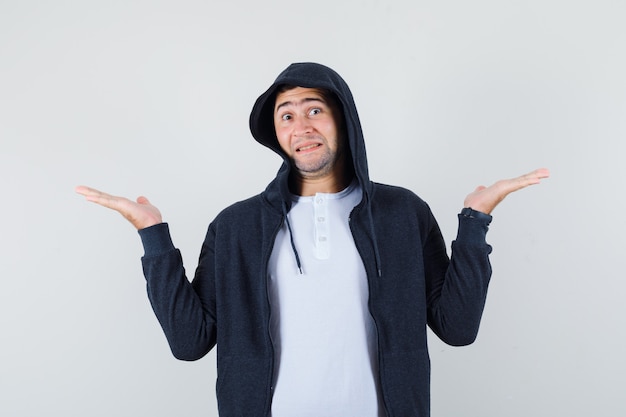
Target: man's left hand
x=485, y=199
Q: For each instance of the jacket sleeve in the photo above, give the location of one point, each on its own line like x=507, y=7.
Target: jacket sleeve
x=186, y=313
x=456, y=290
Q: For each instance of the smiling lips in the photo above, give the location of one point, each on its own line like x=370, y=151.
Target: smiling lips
x=308, y=147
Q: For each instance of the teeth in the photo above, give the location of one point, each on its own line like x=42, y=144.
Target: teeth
x=308, y=147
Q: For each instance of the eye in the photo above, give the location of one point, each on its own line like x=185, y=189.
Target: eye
x=285, y=117
x=315, y=111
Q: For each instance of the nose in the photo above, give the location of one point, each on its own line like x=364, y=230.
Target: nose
x=302, y=126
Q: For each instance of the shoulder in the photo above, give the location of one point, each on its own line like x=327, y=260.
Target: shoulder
x=248, y=214
x=392, y=195
x=398, y=205
x=240, y=209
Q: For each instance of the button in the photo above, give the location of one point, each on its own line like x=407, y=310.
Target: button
x=320, y=200
x=321, y=219
x=322, y=239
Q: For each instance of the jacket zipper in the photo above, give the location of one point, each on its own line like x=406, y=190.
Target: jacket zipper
x=369, y=309
x=269, y=321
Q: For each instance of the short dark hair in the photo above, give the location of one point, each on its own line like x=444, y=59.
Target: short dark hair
x=327, y=95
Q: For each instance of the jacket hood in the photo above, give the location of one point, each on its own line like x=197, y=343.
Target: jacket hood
x=311, y=75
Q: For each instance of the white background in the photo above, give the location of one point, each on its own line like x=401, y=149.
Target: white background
x=153, y=97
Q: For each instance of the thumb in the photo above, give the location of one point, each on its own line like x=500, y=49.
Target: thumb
x=142, y=200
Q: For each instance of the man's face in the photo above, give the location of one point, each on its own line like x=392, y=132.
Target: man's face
x=307, y=128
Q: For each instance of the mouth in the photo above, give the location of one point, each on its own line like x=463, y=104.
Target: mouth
x=308, y=147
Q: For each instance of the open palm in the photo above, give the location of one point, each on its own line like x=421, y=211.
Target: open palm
x=485, y=199
x=140, y=213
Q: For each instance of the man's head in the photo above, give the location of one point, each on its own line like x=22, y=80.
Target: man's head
x=309, y=126
x=347, y=157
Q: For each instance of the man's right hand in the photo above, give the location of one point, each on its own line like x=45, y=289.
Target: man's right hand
x=141, y=213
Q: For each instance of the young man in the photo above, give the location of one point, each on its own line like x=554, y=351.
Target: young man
x=318, y=291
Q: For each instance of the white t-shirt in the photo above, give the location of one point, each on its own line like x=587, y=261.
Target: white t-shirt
x=323, y=334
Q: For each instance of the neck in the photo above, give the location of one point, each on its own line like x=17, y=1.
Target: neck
x=334, y=182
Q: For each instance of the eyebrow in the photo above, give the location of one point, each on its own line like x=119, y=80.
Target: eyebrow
x=304, y=100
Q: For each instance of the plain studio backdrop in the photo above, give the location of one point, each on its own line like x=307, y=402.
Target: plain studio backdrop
x=153, y=97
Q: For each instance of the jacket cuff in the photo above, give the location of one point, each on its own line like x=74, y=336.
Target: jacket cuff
x=156, y=239
x=473, y=226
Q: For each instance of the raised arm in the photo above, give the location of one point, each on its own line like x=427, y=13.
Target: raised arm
x=140, y=213
x=186, y=317
x=485, y=199
x=457, y=290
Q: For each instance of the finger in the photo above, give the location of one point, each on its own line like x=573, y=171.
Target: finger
x=92, y=192
x=538, y=174
x=84, y=190
x=531, y=178
x=542, y=173
x=143, y=200
x=96, y=196
x=527, y=179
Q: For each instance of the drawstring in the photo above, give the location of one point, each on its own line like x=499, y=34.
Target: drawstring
x=293, y=245
x=374, y=238
x=376, y=252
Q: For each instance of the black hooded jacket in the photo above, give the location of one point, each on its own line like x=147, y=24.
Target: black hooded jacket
x=412, y=282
